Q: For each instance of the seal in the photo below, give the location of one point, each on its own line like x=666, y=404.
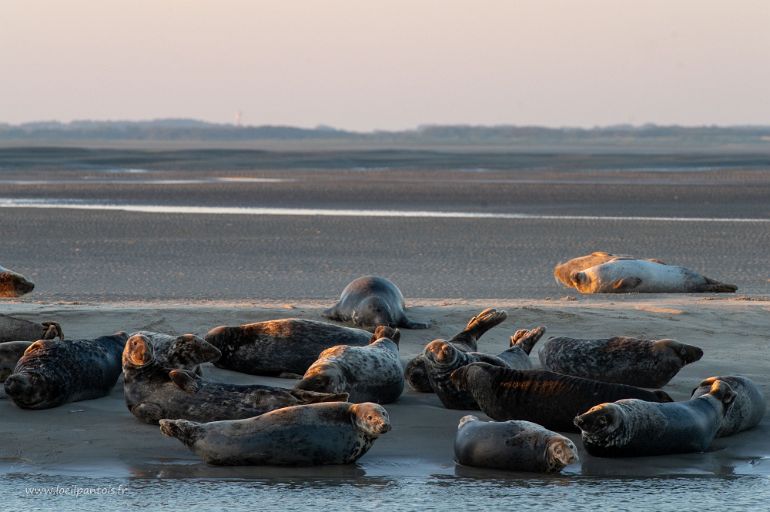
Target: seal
x=562, y=272
x=54, y=372
x=748, y=407
x=644, y=276
x=13, y=284
x=303, y=435
x=370, y=301
x=546, y=398
x=185, y=352
x=16, y=329
x=631, y=361
x=152, y=391
x=279, y=346
x=369, y=374
x=467, y=340
x=631, y=428
x=442, y=358
x=10, y=353
x=512, y=445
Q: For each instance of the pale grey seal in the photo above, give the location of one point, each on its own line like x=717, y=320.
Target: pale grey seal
x=369, y=374
x=152, y=391
x=748, y=407
x=13, y=284
x=370, y=301
x=632, y=428
x=303, y=435
x=512, y=445
x=54, y=372
x=546, y=398
x=16, y=329
x=624, y=360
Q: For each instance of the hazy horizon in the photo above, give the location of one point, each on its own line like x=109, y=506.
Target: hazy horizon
x=394, y=65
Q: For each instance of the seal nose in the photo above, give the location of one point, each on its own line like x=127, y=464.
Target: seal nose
x=24, y=286
x=17, y=384
x=579, y=422
x=384, y=427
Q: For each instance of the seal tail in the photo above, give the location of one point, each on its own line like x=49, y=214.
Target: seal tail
x=526, y=339
x=186, y=431
x=478, y=325
x=409, y=324
x=717, y=287
x=313, y=397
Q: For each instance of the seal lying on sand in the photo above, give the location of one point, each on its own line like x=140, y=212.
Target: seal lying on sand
x=185, y=352
x=442, y=358
x=629, y=428
x=303, y=435
x=632, y=361
x=10, y=353
x=512, y=445
x=279, y=346
x=563, y=271
x=54, y=372
x=16, y=329
x=370, y=374
x=644, y=276
x=370, y=301
x=748, y=407
x=540, y=396
x=13, y=284
x=466, y=340
x=153, y=392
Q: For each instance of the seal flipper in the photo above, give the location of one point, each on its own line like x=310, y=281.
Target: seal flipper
x=186, y=380
x=186, y=431
x=478, y=325
x=408, y=324
x=147, y=412
x=331, y=313
x=717, y=287
x=526, y=339
x=312, y=397
x=626, y=284
x=52, y=330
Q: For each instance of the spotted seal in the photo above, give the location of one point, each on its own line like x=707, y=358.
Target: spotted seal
x=274, y=347
x=512, y=445
x=549, y=399
x=370, y=301
x=54, y=372
x=442, y=358
x=13, y=284
x=466, y=340
x=16, y=329
x=748, y=407
x=302, y=435
x=623, y=360
x=152, y=391
x=185, y=352
x=369, y=374
x=644, y=276
x=629, y=428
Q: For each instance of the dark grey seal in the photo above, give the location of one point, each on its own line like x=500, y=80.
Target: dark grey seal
x=54, y=372
x=185, y=352
x=442, y=358
x=631, y=361
x=369, y=374
x=466, y=340
x=13, y=284
x=632, y=428
x=153, y=391
x=546, y=398
x=10, y=353
x=748, y=407
x=303, y=435
x=512, y=445
x=274, y=347
x=370, y=301
x=16, y=329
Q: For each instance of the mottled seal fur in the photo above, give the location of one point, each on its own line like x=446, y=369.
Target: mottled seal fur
x=289, y=345
x=369, y=374
x=632, y=361
x=748, y=407
x=370, y=301
x=466, y=340
x=549, y=399
x=152, y=391
x=629, y=428
x=16, y=329
x=54, y=372
x=644, y=276
x=303, y=435
x=442, y=358
x=184, y=352
x=512, y=445
x=13, y=284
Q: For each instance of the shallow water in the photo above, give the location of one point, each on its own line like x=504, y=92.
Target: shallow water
x=438, y=492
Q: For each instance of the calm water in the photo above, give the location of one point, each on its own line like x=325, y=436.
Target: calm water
x=410, y=493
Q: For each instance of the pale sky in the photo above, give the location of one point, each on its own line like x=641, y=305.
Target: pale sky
x=391, y=64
